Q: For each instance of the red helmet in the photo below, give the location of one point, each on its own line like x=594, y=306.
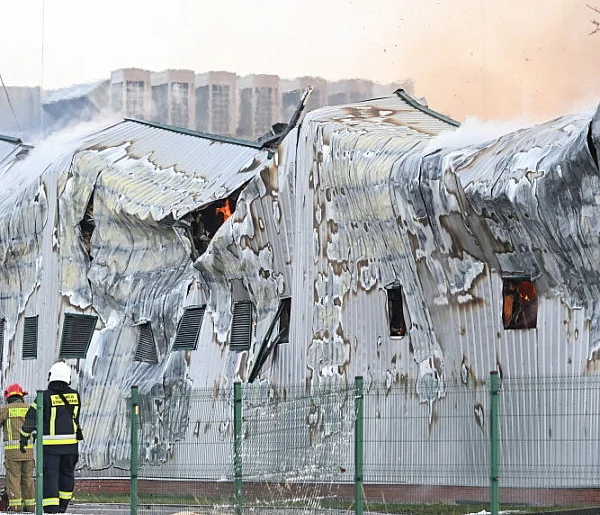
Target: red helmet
x=14, y=389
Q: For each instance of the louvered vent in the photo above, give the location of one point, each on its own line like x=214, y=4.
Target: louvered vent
x=146, y=349
x=241, y=327
x=30, y=337
x=76, y=335
x=1, y=340
x=189, y=328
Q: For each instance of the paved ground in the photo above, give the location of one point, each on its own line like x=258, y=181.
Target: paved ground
x=124, y=509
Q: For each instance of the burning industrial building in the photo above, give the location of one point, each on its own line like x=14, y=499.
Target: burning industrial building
x=357, y=245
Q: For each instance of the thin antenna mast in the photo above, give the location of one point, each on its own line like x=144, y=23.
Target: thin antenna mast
x=42, y=69
x=10, y=104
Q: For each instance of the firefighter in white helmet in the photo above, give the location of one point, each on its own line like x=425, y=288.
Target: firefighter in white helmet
x=19, y=466
x=60, y=437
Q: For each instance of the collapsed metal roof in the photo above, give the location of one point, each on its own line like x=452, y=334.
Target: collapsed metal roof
x=356, y=199
x=11, y=149
x=73, y=92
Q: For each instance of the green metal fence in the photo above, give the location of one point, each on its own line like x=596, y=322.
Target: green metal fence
x=362, y=447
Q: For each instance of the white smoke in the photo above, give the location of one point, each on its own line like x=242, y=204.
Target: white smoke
x=47, y=149
x=474, y=131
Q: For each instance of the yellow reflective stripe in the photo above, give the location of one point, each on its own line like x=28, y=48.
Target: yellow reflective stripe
x=15, y=502
x=52, y=420
x=50, y=501
x=65, y=495
x=29, y=502
x=24, y=433
x=17, y=446
x=60, y=440
x=75, y=412
x=71, y=398
x=58, y=437
x=17, y=412
x=9, y=429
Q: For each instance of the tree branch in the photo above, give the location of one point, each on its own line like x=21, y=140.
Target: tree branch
x=595, y=22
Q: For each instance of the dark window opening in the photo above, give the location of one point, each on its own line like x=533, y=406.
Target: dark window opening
x=591, y=146
x=241, y=326
x=30, y=337
x=201, y=225
x=520, y=303
x=189, y=327
x=285, y=309
x=146, y=349
x=87, y=226
x=396, y=311
x=76, y=335
x=268, y=346
x=2, y=322
x=216, y=214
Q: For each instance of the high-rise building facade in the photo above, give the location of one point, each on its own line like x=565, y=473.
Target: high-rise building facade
x=348, y=91
x=259, y=103
x=20, y=111
x=382, y=90
x=292, y=91
x=130, y=93
x=216, y=102
x=174, y=98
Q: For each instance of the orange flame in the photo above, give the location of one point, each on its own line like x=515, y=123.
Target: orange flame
x=527, y=291
x=225, y=210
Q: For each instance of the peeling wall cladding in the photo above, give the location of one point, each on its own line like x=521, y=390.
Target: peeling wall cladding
x=7, y=147
x=376, y=207
x=356, y=199
x=135, y=180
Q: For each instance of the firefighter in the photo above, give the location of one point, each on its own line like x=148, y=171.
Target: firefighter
x=60, y=437
x=19, y=466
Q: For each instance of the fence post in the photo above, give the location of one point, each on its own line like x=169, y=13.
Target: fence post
x=39, y=452
x=494, y=443
x=237, y=445
x=133, y=462
x=358, y=446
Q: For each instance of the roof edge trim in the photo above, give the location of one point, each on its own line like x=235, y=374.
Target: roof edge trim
x=11, y=139
x=198, y=134
x=413, y=103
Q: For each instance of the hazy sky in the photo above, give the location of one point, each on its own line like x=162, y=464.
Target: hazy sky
x=491, y=59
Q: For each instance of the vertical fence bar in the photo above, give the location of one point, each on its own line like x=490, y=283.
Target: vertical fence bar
x=494, y=443
x=237, y=445
x=133, y=473
x=39, y=453
x=358, y=446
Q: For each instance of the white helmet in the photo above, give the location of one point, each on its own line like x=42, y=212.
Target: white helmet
x=60, y=372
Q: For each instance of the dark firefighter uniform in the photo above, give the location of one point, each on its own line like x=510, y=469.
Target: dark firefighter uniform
x=19, y=466
x=61, y=434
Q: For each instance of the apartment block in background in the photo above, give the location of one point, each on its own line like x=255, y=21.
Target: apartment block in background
x=292, y=91
x=259, y=103
x=382, y=90
x=25, y=121
x=74, y=104
x=348, y=91
x=130, y=93
x=174, y=98
x=216, y=102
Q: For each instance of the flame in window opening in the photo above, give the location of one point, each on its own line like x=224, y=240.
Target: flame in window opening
x=225, y=210
x=519, y=304
x=526, y=291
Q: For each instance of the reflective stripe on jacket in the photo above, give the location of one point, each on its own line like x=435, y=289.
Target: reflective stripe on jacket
x=12, y=417
x=60, y=420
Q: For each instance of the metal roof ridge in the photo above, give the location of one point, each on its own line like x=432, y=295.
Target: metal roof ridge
x=11, y=139
x=198, y=134
x=413, y=103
